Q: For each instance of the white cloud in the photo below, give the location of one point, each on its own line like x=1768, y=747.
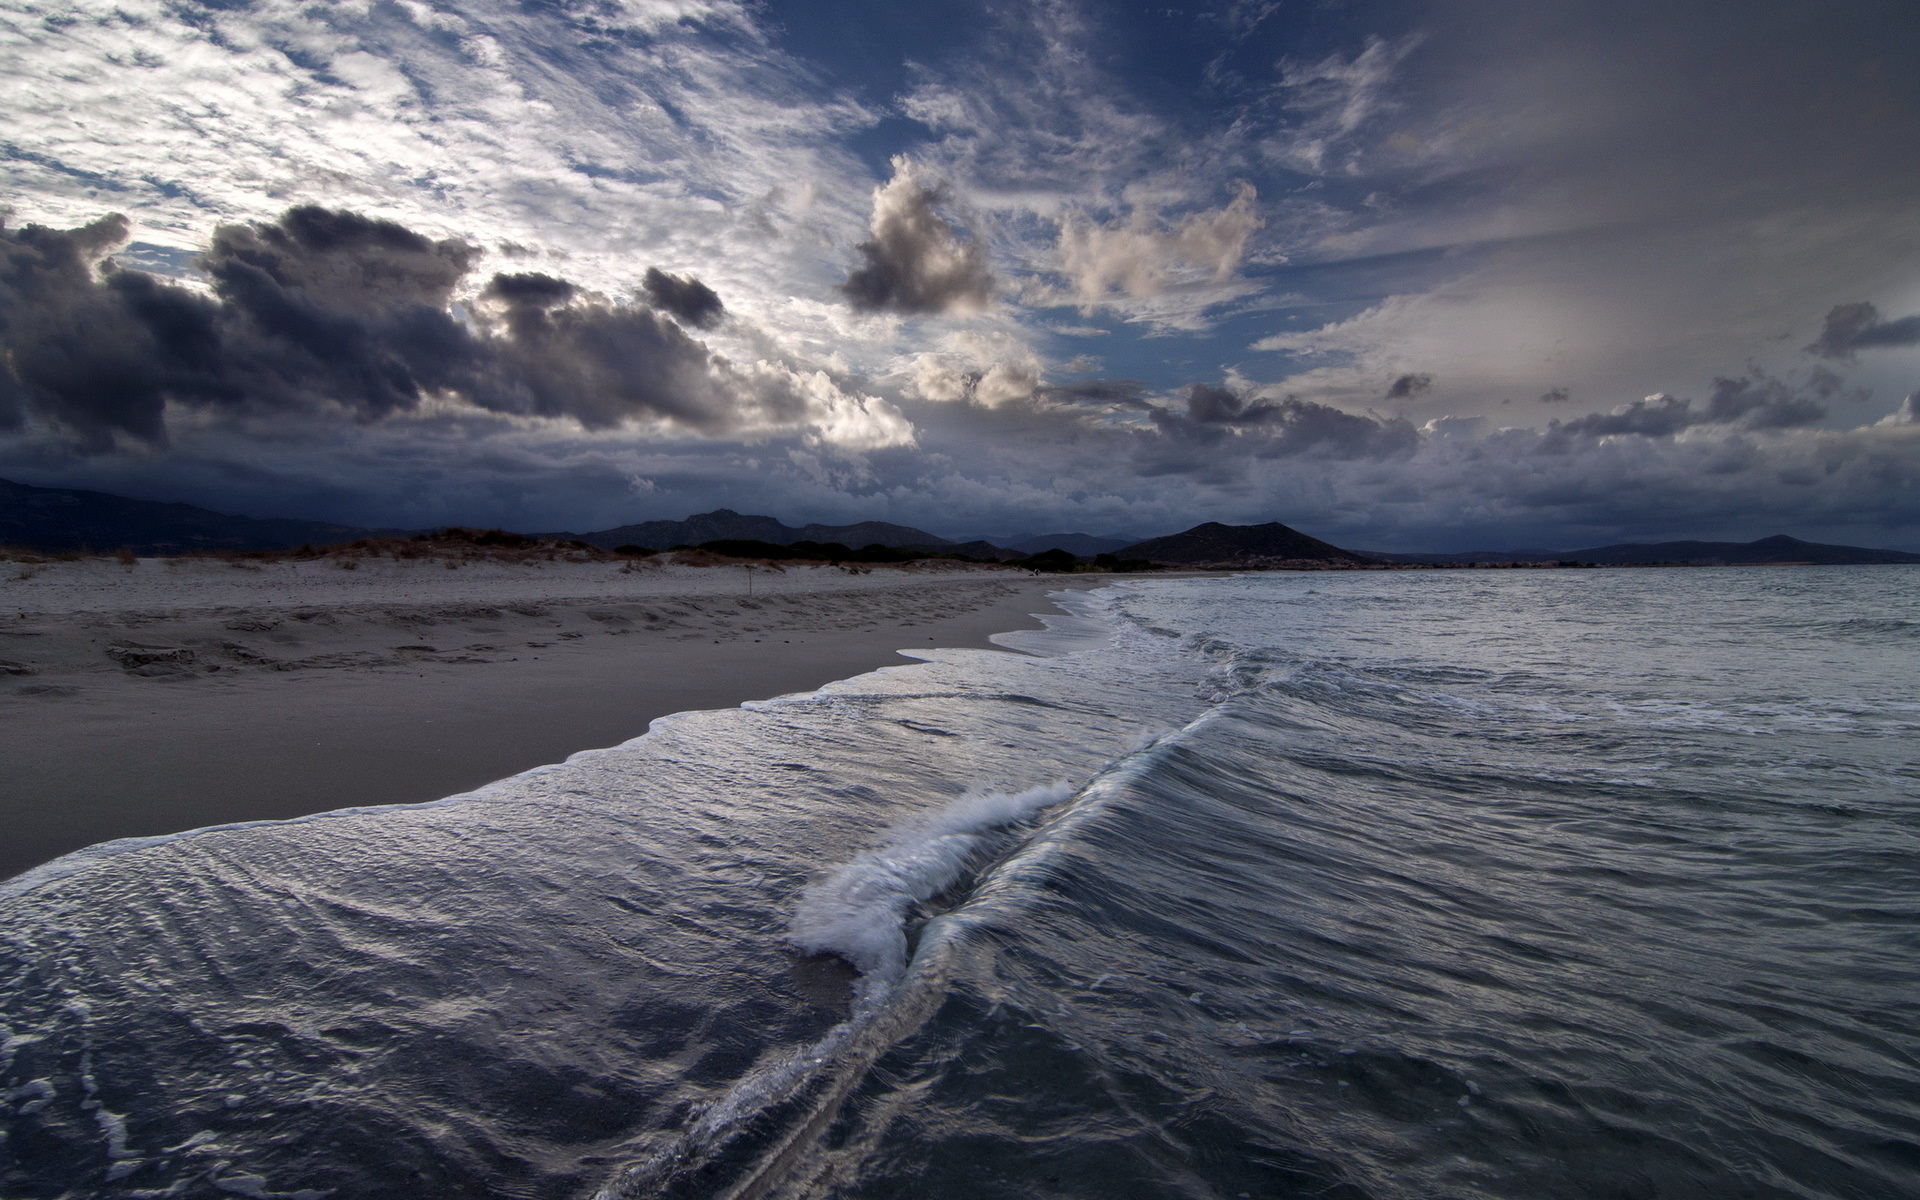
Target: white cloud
x=990, y=369
x=1147, y=256
x=834, y=417
x=567, y=133
x=1333, y=99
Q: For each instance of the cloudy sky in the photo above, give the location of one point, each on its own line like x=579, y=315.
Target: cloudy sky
x=1472, y=274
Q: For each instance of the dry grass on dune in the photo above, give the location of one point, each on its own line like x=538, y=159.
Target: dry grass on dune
x=455, y=547
x=452, y=545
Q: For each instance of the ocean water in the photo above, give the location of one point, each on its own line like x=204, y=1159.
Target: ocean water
x=1410, y=884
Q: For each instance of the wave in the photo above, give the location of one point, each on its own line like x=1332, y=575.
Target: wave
x=859, y=911
x=507, y=991
x=1233, y=891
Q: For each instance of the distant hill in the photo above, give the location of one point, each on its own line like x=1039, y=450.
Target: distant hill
x=980, y=549
x=1086, y=545
x=1463, y=557
x=725, y=524
x=1776, y=549
x=55, y=520
x=1214, y=544
x=868, y=532
x=61, y=519
x=1770, y=550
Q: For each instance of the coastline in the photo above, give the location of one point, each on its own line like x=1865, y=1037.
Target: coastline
x=190, y=698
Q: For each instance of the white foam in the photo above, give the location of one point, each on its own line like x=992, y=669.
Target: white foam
x=1089, y=624
x=859, y=911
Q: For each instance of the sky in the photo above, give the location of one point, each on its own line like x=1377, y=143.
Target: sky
x=1472, y=274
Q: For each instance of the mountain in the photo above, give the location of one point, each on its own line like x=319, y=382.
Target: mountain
x=866, y=533
x=724, y=523
x=1776, y=549
x=1086, y=545
x=1214, y=544
x=60, y=519
x=53, y=520
x=1033, y=543
x=1463, y=557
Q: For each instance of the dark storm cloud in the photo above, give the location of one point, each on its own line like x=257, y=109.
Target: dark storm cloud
x=326, y=310
x=690, y=301
x=915, y=263
x=530, y=289
x=1300, y=426
x=1851, y=327
x=1761, y=402
x=344, y=261
x=601, y=364
x=1125, y=393
x=1289, y=426
x=1756, y=401
x=1408, y=386
x=1656, y=416
x=98, y=355
x=1211, y=405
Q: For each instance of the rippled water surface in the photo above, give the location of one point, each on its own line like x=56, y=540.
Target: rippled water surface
x=1409, y=884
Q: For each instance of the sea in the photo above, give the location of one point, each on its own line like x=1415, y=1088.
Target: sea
x=1395, y=884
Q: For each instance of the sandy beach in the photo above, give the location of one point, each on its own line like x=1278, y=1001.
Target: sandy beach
x=171, y=694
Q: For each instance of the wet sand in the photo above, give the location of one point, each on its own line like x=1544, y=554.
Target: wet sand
x=162, y=698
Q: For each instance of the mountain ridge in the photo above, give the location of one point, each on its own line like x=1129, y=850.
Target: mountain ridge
x=1778, y=549
x=1212, y=543
x=726, y=524
x=57, y=520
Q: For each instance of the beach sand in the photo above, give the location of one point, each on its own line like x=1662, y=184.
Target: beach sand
x=173, y=694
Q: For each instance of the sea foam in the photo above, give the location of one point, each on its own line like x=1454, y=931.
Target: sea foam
x=859, y=911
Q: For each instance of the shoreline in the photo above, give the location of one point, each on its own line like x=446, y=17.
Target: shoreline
x=215, y=705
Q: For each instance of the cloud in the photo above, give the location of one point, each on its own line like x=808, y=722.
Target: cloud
x=690, y=301
x=1334, y=98
x=1659, y=415
x=1760, y=402
x=990, y=369
x=1210, y=405
x=1851, y=327
x=597, y=137
x=1408, y=386
x=1478, y=209
x=99, y=356
x=915, y=262
x=529, y=289
x=332, y=312
x=1756, y=401
x=1090, y=190
x=1119, y=393
x=1286, y=426
x=1146, y=256
x=344, y=261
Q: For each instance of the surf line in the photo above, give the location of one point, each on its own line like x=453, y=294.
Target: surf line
x=860, y=912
